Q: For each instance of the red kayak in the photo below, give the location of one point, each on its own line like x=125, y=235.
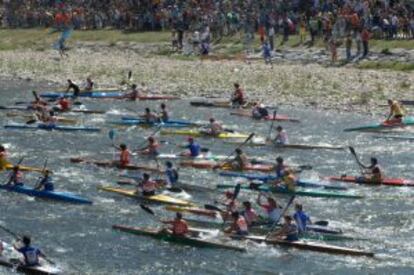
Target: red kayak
x=362, y=180
x=269, y=118
x=206, y=164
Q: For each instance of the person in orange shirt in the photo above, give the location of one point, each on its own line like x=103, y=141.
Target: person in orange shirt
x=124, y=155
x=179, y=226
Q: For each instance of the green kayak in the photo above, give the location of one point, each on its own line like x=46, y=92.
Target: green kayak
x=407, y=121
x=298, y=192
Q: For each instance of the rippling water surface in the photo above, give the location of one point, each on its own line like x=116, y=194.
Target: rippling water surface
x=81, y=238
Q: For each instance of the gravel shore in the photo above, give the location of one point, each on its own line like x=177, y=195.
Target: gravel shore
x=289, y=83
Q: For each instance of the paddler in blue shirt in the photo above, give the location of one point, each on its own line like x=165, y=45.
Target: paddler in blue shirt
x=31, y=254
x=193, y=148
x=16, y=177
x=46, y=182
x=171, y=174
x=301, y=218
x=288, y=232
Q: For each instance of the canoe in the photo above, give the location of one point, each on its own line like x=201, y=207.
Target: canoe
x=386, y=181
x=266, y=178
x=106, y=95
x=206, y=164
x=198, y=133
x=248, y=113
x=288, y=146
x=54, y=128
x=112, y=164
x=10, y=166
x=187, y=240
x=51, y=195
x=59, y=118
x=146, y=124
x=160, y=198
x=13, y=261
x=407, y=121
x=300, y=191
x=312, y=246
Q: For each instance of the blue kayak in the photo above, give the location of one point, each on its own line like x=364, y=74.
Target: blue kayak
x=92, y=94
x=147, y=124
x=173, y=121
x=53, y=195
x=266, y=178
x=50, y=128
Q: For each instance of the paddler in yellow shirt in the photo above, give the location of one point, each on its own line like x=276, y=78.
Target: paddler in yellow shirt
x=396, y=112
x=3, y=158
x=288, y=180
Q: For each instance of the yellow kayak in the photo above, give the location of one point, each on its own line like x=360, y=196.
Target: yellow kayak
x=160, y=198
x=9, y=166
x=197, y=133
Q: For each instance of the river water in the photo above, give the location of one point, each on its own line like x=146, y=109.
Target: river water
x=80, y=238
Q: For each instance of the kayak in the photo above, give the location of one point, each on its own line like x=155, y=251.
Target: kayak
x=28, y=108
x=261, y=142
x=112, y=164
x=312, y=246
x=10, y=166
x=175, y=121
x=266, y=178
x=247, y=113
x=50, y=128
x=147, y=124
x=185, y=240
x=300, y=191
x=59, y=118
x=52, y=195
x=199, y=157
x=206, y=164
x=407, y=121
x=13, y=260
x=362, y=180
x=193, y=210
x=217, y=104
x=160, y=198
x=198, y=133
x=106, y=94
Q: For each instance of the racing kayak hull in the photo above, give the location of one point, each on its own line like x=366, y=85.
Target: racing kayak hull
x=112, y=164
x=197, y=133
x=289, y=146
x=160, y=198
x=54, y=128
x=407, y=121
x=28, y=108
x=165, y=236
x=51, y=195
x=312, y=246
x=59, y=118
x=217, y=104
x=115, y=94
x=298, y=192
x=10, y=166
x=246, y=113
x=212, y=165
x=175, y=121
x=362, y=180
x=146, y=124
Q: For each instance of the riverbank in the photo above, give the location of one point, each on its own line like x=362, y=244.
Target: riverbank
x=300, y=76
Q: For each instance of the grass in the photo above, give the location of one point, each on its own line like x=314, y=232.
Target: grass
x=387, y=65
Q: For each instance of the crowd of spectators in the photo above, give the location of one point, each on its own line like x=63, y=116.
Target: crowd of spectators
x=330, y=19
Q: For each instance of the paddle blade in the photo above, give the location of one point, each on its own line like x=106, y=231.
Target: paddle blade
x=111, y=134
x=175, y=190
x=212, y=207
x=352, y=150
x=321, y=223
x=32, y=121
x=147, y=209
x=236, y=191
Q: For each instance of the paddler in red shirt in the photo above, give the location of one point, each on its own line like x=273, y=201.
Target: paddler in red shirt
x=64, y=104
x=124, y=155
x=237, y=99
x=179, y=225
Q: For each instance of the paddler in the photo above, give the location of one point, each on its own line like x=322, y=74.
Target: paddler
x=38, y=103
x=374, y=172
x=89, y=84
x=151, y=149
x=149, y=116
x=30, y=253
x=239, y=162
x=147, y=186
x=163, y=116
x=272, y=209
x=281, y=136
x=301, y=218
x=64, y=104
x=288, y=180
x=74, y=87
x=16, y=177
x=259, y=111
x=171, y=174
x=249, y=213
x=230, y=202
x=3, y=157
x=280, y=167
x=134, y=94
x=288, y=231
x=238, y=98
x=214, y=128
x=46, y=183
x=50, y=121
x=193, y=148
x=124, y=155
x=179, y=225
x=239, y=225
x=396, y=112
